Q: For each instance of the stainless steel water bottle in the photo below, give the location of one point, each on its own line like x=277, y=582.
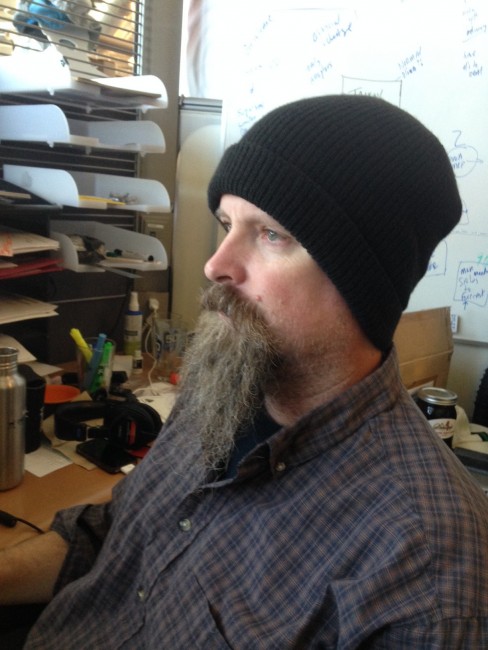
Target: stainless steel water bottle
x=12, y=420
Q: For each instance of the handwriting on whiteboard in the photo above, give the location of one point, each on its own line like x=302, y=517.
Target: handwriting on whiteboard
x=317, y=69
x=471, y=66
x=389, y=90
x=340, y=27
x=472, y=284
x=464, y=157
x=411, y=64
x=474, y=24
x=473, y=27
x=438, y=260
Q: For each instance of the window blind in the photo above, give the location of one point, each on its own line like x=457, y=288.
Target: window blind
x=97, y=38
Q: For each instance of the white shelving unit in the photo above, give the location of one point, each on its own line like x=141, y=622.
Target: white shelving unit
x=47, y=123
x=47, y=73
x=138, y=136
x=63, y=111
x=90, y=190
x=73, y=139
x=148, y=252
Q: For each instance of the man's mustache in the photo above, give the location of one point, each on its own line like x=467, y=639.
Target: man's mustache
x=225, y=300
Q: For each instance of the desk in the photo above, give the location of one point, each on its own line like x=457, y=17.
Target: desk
x=38, y=499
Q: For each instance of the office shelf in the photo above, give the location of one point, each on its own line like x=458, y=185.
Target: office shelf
x=48, y=123
x=148, y=252
x=89, y=190
x=57, y=129
x=46, y=74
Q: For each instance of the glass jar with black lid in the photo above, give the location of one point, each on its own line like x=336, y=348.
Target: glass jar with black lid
x=439, y=407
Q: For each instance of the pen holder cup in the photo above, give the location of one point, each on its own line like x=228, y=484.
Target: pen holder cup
x=172, y=338
x=93, y=375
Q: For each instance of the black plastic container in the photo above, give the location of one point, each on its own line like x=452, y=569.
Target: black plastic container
x=439, y=407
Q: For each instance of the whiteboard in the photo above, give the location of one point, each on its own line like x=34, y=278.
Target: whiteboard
x=430, y=57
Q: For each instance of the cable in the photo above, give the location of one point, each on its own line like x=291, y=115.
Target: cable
x=10, y=521
x=150, y=339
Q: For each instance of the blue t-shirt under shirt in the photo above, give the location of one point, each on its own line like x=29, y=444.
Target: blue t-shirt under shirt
x=259, y=430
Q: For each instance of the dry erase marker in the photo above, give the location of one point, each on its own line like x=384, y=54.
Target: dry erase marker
x=102, y=376
x=95, y=360
x=81, y=343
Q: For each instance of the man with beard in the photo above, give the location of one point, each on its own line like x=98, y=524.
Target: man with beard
x=296, y=497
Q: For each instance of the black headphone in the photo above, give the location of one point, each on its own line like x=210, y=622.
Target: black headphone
x=128, y=424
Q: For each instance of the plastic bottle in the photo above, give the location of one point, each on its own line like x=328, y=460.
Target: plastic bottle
x=132, y=325
x=12, y=420
x=137, y=362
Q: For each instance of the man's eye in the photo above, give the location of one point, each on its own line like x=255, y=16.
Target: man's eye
x=273, y=236
x=225, y=226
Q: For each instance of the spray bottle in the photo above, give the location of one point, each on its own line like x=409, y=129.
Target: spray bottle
x=132, y=325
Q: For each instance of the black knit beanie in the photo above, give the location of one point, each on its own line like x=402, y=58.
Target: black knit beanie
x=361, y=184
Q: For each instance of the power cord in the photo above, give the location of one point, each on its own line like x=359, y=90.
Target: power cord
x=9, y=521
x=151, y=343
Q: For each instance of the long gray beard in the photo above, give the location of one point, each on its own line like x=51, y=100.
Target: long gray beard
x=229, y=364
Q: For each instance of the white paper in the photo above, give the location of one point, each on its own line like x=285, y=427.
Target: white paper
x=161, y=396
x=43, y=369
x=14, y=242
x=15, y=308
x=24, y=355
x=44, y=460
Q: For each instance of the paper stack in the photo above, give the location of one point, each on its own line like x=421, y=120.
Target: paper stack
x=15, y=308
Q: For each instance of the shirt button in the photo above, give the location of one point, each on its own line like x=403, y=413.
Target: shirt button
x=185, y=525
x=141, y=594
x=280, y=467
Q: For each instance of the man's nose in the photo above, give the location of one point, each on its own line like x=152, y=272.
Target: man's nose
x=226, y=264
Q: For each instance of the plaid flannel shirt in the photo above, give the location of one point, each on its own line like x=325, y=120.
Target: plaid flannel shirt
x=356, y=527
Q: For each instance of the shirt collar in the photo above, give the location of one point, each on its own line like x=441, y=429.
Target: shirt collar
x=330, y=423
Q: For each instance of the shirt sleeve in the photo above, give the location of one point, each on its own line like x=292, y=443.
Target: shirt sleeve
x=85, y=528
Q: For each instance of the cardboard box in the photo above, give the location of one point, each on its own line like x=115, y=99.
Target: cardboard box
x=424, y=344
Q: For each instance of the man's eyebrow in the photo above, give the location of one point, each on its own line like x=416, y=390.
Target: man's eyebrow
x=220, y=215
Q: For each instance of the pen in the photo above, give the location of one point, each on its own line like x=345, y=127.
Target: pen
x=107, y=353
x=95, y=360
x=128, y=255
x=81, y=343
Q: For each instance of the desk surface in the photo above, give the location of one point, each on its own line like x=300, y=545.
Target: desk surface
x=38, y=499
